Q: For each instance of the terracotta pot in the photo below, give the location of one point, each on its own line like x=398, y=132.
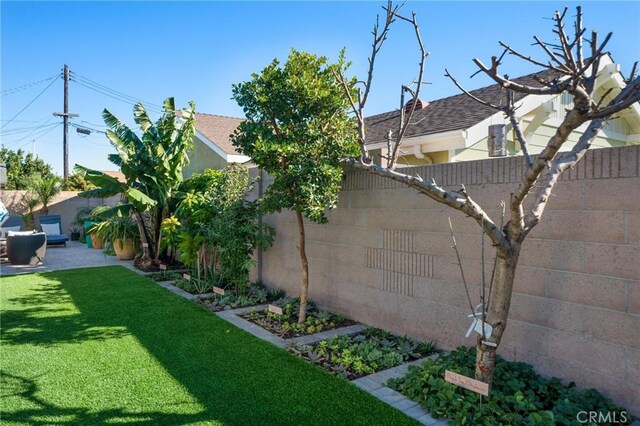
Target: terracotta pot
x=97, y=242
x=125, y=249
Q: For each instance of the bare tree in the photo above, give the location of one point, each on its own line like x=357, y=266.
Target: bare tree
x=575, y=74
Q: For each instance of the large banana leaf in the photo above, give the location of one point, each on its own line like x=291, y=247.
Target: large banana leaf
x=109, y=186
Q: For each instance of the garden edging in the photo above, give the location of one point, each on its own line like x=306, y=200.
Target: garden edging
x=374, y=384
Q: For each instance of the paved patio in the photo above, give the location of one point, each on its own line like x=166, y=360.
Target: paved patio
x=74, y=255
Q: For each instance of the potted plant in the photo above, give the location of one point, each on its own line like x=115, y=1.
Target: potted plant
x=121, y=231
x=82, y=220
x=74, y=233
x=95, y=240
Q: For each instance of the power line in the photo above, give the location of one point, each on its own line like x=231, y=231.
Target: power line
x=38, y=136
x=36, y=130
x=16, y=130
x=116, y=92
x=27, y=106
x=92, y=124
x=26, y=86
x=126, y=101
x=24, y=121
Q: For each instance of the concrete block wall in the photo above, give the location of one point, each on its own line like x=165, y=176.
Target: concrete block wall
x=66, y=204
x=385, y=259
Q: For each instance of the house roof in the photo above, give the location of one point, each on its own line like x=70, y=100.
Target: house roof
x=116, y=174
x=218, y=128
x=457, y=112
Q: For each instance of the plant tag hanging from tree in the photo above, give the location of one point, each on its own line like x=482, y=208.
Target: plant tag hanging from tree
x=479, y=326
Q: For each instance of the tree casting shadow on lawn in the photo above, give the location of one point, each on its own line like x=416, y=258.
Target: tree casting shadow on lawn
x=44, y=412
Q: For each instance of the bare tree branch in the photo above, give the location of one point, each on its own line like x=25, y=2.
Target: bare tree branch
x=517, y=128
x=564, y=40
x=603, y=98
x=549, y=178
x=548, y=65
x=404, y=124
x=455, y=200
x=579, y=35
x=632, y=74
x=553, y=89
x=627, y=97
x=464, y=280
x=594, y=61
x=475, y=98
x=552, y=55
x=378, y=40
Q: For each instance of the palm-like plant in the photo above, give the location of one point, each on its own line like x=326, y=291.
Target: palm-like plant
x=152, y=165
x=43, y=189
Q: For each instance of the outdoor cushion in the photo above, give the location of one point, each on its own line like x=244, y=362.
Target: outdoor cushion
x=54, y=219
x=57, y=239
x=6, y=230
x=19, y=233
x=50, y=229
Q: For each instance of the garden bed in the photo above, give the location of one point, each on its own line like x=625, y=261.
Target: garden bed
x=286, y=325
x=518, y=395
x=257, y=294
x=193, y=284
x=355, y=356
x=164, y=276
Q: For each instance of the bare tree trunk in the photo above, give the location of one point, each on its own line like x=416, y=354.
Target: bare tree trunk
x=156, y=231
x=304, y=263
x=146, y=259
x=498, y=312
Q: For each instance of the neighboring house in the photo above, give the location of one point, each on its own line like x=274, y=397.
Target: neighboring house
x=115, y=174
x=212, y=148
x=456, y=128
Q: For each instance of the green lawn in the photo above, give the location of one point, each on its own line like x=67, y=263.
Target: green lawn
x=104, y=345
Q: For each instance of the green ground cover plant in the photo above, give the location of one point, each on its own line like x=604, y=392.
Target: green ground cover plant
x=356, y=356
x=164, y=276
x=197, y=284
x=256, y=294
x=105, y=345
x=519, y=396
x=286, y=325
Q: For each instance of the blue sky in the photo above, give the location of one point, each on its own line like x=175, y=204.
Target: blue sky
x=197, y=50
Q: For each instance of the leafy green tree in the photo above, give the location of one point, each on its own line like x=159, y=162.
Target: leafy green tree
x=77, y=182
x=297, y=129
x=152, y=165
x=20, y=166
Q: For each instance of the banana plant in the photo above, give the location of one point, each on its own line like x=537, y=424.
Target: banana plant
x=152, y=165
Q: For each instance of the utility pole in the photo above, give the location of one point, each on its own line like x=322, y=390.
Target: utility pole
x=65, y=116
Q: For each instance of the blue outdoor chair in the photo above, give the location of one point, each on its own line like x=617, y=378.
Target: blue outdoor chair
x=12, y=222
x=51, y=220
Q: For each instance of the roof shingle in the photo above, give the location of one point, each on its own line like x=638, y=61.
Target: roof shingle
x=457, y=112
x=218, y=128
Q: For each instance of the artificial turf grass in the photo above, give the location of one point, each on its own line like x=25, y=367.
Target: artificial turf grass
x=90, y=346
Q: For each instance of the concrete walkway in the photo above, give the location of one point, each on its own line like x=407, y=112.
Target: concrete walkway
x=74, y=255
